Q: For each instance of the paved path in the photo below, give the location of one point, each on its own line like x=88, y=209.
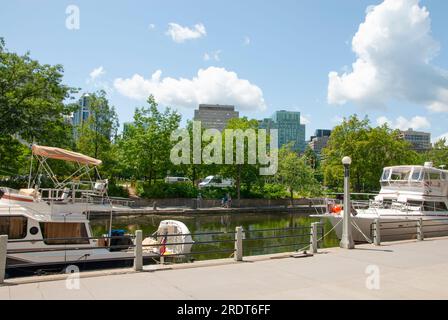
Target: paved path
x=408, y=270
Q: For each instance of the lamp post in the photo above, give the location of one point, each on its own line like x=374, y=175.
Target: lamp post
x=347, y=238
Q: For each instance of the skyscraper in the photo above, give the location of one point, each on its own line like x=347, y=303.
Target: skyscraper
x=319, y=140
x=420, y=141
x=81, y=114
x=289, y=128
x=215, y=116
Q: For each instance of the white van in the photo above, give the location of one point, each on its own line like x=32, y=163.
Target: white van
x=177, y=180
x=216, y=181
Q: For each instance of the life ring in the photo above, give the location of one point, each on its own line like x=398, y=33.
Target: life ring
x=336, y=209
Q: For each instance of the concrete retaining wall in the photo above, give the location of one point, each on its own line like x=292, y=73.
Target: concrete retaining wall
x=213, y=203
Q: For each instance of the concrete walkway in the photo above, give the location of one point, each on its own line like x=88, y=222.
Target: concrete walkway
x=407, y=270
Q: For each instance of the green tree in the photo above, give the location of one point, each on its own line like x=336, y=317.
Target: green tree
x=32, y=106
x=32, y=99
x=245, y=173
x=97, y=134
x=371, y=149
x=295, y=174
x=145, y=146
x=438, y=154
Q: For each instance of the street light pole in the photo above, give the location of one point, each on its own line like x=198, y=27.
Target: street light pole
x=347, y=238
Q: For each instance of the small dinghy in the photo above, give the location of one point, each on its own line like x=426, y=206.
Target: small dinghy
x=172, y=238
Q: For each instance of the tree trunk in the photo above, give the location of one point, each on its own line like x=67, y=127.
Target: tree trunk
x=238, y=185
x=193, y=175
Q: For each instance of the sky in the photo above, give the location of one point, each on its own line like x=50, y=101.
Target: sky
x=327, y=59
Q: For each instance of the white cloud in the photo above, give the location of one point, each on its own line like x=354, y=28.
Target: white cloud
x=212, y=85
x=180, y=34
x=151, y=26
x=394, y=49
x=305, y=119
x=96, y=73
x=246, y=41
x=212, y=55
x=416, y=123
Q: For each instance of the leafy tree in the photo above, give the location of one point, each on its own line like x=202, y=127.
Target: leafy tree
x=371, y=149
x=31, y=106
x=242, y=173
x=96, y=134
x=145, y=146
x=438, y=154
x=295, y=174
x=32, y=99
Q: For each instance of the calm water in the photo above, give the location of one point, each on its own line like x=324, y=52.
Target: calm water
x=227, y=223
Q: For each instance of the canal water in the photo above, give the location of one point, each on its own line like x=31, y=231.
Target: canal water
x=287, y=241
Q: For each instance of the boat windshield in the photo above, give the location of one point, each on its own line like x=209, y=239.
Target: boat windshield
x=400, y=174
x=417, y=174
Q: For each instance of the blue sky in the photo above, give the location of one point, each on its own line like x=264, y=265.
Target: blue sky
x=284, y=49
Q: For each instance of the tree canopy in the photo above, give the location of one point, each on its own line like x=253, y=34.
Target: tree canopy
x=371, y=149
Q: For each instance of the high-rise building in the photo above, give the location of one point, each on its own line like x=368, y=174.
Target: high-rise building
x=215, y=116
x=83, y=112
x=319, y=140
x=420, y=141
x=289, y=128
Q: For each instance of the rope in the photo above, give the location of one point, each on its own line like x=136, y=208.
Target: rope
x=320, y=239
x=359, y=229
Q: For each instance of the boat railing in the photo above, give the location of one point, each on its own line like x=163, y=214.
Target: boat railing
x=90, y=196
x=419, y=228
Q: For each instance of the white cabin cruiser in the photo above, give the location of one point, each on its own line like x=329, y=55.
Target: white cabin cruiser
x=49, y=229
x=407, y=194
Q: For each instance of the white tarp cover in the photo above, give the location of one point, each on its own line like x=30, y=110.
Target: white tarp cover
x=66, y=155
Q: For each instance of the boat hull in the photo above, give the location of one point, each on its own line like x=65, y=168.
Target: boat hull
x=392, y=228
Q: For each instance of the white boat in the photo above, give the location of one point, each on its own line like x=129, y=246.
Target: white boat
x=408, y=193
x=50, y=228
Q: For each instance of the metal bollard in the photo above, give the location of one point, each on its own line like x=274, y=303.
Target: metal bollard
x=420, y=234
x=313, y=240
x=138, y=251
x=377, y=233
x=239, y=244
x=3, y=251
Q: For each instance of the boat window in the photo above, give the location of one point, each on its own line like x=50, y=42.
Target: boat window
x=415, y=203
x=434, y=176
x=400, y=174
x=55, y=233
x=416, y=175
x=443, y=175
x=14, y=227
x=435, y=206
x=385, y=176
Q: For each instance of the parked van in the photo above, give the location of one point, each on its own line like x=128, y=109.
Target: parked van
x=177, y=180
x=216, y=181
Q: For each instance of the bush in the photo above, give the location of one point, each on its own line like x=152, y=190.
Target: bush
x=162, y=190
x=115, y=190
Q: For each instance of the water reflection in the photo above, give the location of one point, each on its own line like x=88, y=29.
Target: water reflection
x=291, y=240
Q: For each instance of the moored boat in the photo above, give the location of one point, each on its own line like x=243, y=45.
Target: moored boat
x=49, y=228
x=408, y=193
